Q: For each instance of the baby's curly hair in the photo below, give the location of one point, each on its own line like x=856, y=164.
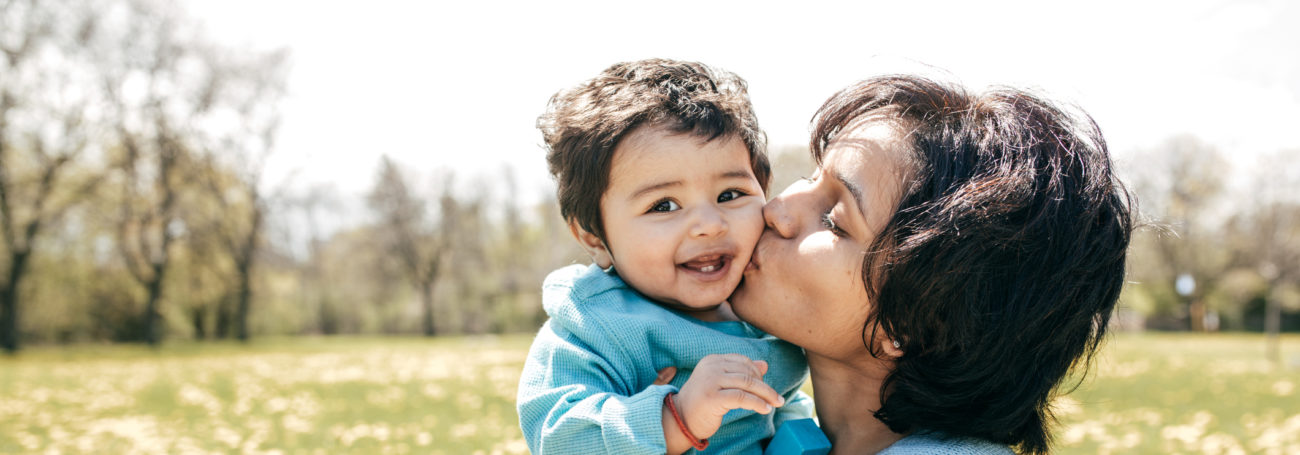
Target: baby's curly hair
x=583, y=125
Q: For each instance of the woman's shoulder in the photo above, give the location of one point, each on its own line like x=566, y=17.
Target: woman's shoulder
x=939, y=443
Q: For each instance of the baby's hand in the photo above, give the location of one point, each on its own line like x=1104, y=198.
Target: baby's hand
x=720, y=383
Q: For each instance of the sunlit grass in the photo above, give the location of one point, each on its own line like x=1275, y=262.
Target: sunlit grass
x=1147, y=394
x=397, y=395
x=1181, y=393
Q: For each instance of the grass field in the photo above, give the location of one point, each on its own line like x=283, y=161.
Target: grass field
x=1172, y=393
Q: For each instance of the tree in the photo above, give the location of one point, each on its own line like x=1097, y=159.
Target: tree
x=315, y=292
x=148, y=223
x=44, y=133
x=1267, y=234
x=1180, y=187
x=152, y=152
x=169, y=98
x=251, y=90
x=419, y=240
x=504, y=249
x=477, y=278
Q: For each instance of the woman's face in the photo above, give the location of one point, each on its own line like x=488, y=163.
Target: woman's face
x=804, y=282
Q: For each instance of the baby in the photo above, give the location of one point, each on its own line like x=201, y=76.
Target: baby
x=661, y=171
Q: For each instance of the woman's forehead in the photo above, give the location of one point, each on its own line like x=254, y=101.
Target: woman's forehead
x=868, y=142
x=874, y=127
x=870, y=156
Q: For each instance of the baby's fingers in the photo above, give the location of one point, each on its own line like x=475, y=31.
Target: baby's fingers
x=742, y=399
x=737, y=363
x=754, y=386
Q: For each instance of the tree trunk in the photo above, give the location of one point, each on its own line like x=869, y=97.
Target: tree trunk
x=245, y=257
x=1272, y=327
x=198, y=318
x=329, y=322
x=9, y=302
x=1196, y=313
x=222, y=329
x=426, y=304
x=153, y=319
x=8, y=319
x=242, y=302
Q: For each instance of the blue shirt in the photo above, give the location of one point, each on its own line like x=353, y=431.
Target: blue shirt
x=926, y=443
x=587, y=384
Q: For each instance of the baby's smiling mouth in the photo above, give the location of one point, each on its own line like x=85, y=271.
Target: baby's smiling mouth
x=707, y=264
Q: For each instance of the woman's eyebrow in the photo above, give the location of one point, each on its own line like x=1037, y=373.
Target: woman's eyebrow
x=854, y=189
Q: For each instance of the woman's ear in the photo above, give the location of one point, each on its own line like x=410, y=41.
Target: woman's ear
x=892, y=347
x=594, y=246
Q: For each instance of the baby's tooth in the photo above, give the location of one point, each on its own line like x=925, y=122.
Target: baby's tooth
x=708, y=268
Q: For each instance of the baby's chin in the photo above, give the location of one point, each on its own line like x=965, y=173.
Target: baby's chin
x=716, y=295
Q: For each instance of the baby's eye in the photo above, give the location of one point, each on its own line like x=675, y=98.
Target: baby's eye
x=730, y=195
x=665, y=206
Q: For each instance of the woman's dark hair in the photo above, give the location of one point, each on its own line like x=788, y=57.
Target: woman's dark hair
x=1001, y=266
x=583, y=125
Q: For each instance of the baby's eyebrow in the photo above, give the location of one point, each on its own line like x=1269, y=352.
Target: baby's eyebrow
x=727, y=175
x=735, y=174
x=654, y=187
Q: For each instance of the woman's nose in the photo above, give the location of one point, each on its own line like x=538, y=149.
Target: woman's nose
x=777, y=215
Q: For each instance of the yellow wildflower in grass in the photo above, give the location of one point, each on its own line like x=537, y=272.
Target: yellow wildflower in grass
x=1283, y=388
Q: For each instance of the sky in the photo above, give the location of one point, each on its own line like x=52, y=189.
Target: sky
x=459, y=84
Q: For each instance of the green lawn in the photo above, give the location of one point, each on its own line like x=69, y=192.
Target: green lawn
x=1147, y=394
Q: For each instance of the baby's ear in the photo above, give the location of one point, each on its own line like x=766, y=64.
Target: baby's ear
x=594, y=246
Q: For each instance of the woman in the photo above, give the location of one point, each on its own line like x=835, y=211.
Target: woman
x=951, y=259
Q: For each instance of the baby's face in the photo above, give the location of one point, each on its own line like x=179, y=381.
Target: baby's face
x=682, y=216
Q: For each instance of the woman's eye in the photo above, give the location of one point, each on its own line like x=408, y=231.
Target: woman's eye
x=730, y=195
x=830, y=225
x=665, y=206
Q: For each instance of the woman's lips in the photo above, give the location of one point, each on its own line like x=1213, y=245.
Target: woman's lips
x=753, y=257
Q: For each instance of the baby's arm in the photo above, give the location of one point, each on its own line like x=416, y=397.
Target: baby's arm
x=720, y=383
x=570, y=402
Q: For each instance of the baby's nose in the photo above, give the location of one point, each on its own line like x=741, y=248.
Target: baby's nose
x=709, y=221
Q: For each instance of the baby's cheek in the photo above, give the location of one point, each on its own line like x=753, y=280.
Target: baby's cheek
x=751, y=226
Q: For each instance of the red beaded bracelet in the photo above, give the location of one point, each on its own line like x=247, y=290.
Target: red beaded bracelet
x=698, y=444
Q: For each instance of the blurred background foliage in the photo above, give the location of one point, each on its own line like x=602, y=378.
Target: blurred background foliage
x=134, y=207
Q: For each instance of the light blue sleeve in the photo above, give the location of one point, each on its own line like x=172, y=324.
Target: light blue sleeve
x=798, y=405
x=572, y=400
